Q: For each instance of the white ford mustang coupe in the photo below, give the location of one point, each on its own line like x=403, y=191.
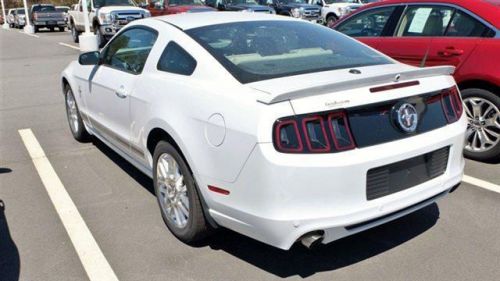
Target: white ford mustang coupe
x=274, y=127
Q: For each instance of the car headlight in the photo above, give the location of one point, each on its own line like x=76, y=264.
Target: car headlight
x=22, y=17
x=273, y=11
x=105, y=18
x=297, y=12
x=343, y=11
x=147, y=14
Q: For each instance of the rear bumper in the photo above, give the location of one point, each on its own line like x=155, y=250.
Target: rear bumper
x=277, y=198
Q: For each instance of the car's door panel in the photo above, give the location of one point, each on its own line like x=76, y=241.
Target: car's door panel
x=109, y=101
x=113, y=82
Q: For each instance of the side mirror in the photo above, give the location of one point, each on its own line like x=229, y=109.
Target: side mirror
x=90, y=58
x=319, y=3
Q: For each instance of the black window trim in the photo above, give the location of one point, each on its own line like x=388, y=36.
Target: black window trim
x=179, y=46
x=105, y=49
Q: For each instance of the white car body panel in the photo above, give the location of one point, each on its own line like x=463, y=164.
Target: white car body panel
x=268, y=199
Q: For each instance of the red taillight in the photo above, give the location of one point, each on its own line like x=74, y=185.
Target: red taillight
x=318, y=136
x=287, y=137
x=315, y=133
x=452, y=104
x=341, y=133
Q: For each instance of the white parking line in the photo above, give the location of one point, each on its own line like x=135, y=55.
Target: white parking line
x=481, y=183
x=93, y=260
x=32, y=35
x=69, y=46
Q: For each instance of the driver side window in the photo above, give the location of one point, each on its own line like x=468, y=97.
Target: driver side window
x=130, y=49
x=368, y=24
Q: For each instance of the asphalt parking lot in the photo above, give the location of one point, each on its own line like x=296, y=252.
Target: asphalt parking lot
x=456, y=239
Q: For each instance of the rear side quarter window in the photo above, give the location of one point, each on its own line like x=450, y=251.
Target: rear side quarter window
x=175, y=59
x=463, y=25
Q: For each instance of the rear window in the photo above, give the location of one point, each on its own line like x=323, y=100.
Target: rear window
x=259, y=50
x=44, y=8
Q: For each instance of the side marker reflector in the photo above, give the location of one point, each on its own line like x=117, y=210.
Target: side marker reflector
x=218, y=190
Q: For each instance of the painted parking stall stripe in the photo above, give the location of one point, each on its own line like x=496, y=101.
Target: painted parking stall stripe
x=69, y=46
x=32, y=35
x=91, y=257
x=481, y=183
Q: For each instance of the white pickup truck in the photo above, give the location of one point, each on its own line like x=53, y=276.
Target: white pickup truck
x=106, y=17
x=333, y=10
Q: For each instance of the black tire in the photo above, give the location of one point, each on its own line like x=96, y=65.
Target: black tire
x=80, y=134
x=61, y=28
x=330, y=20
x=51, y=29
x=36, y=29
x=74, y=33
x=101, y=41
x=493, y=153
x=196, y=228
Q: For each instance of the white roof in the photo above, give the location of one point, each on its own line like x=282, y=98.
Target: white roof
x=193, y=20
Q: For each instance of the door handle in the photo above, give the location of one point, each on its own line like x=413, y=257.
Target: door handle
x=121, y=93
x=450, y=52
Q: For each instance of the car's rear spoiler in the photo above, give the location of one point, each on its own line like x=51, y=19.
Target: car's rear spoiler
x=357, y=83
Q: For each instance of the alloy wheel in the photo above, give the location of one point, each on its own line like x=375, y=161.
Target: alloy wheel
x=72, y=112
x=174, y=200
x=483, y=130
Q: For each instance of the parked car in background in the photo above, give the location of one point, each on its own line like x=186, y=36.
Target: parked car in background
x=295, y=8
x=333, y=10
x=106, y=17
x=10, y=17
x=168, y=7
x=276, y=128
x=461, y=33
x=65, y=11
x=46, y=16
x=19, y=18
x=240, y=6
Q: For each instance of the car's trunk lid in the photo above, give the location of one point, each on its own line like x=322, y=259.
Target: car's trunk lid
x=321, y=91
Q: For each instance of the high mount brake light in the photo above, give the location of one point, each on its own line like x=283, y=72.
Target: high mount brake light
x=452, y=104
x=319, y=137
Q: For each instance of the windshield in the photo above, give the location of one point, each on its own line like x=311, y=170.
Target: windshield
x=341, y=1
x=44, y=8
x=259, y=50
x=184, y=2
x=104, y=3
x=293, y=1
x=20, y=11
x=242, y=2
x=64, y=10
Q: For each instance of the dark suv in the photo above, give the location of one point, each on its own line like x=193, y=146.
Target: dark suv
x=295, y=8
x=240, y=5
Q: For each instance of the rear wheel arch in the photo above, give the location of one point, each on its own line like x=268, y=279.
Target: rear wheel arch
x=481, y=84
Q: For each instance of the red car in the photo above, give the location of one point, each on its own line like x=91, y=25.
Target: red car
x=463, y=33
x=168, y=7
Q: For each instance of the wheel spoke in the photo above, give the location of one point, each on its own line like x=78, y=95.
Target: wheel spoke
x=183, y=209
x=173, y=190
x=476, y=108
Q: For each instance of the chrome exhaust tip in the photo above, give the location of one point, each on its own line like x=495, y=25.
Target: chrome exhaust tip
x=312, y=239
